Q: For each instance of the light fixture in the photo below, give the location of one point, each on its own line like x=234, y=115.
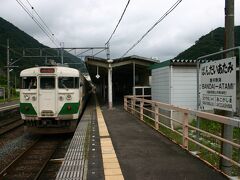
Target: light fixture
x=26, y=97
x=60, y=98
x=97, y=76
x=34, y=98
x=69, y=97
x=110, y=61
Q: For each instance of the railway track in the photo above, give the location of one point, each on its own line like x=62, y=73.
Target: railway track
x=10, y=125
x=10, y=118
x=31, y=163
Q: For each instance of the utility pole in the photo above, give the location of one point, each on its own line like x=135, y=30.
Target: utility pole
x=134, y=69
x=8, y=71
x=15, y=81
x=108, y=50
x=227, y=130
x=62, y=46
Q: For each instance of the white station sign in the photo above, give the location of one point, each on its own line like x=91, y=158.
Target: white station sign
x=218, y=84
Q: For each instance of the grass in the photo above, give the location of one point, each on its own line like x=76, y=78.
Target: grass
x=209, y=126
x=11, y=99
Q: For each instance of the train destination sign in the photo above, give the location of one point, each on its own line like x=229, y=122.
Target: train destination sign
x=218, y=84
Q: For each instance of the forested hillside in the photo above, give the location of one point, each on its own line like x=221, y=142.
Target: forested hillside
x=19, y=40
x=210, y=43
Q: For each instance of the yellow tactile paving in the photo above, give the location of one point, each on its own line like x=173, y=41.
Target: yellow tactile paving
x=111, y=160
x=115, y=177
x=108, y=156
x=111, y=165
x=112, y=170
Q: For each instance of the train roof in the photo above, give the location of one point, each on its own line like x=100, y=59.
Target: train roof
x=57, y=70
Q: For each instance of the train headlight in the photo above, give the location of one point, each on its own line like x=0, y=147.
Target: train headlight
x=69, y=97
x=26, y=97
x=34, y=98
x=60, y=98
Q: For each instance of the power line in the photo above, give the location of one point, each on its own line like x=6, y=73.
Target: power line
x=35, y=20
x=145, y=34
x=118, y=21
x=49, y=30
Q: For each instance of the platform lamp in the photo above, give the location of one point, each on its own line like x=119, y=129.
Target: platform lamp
x=97, y=75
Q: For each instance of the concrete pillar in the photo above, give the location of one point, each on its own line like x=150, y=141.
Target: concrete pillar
x=110, y=104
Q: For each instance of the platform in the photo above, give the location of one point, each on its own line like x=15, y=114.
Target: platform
x=8, y=105
x=122, y=147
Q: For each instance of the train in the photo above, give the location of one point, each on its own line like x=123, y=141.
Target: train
x=52, y=98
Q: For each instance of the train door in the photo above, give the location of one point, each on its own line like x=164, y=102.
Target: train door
x=47, y=96
x=81, y=88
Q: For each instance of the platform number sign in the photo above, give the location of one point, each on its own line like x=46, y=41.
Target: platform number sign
x=218, y=84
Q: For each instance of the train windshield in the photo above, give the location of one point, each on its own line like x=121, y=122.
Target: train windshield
x=68, y=82
x=47, y=82
x=29, y=82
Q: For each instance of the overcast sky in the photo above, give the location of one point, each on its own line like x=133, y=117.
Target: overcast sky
x=80, y=23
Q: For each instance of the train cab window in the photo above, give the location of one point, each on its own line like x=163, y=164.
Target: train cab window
x=29, y=82
x=68, y=82
x=47, y=82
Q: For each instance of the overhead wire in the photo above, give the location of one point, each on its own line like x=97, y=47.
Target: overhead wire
x=118, y=22
x=49, y=30
x=99, y=52
x=155, y=24
x=36, y=21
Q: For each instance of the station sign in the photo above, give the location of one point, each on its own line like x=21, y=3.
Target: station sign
x=218, y=84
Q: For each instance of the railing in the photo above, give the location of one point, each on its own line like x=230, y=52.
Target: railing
x=142, y=90
x=157, y=114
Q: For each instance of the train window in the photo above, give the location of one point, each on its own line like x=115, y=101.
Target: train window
x=76, y=82
x=68, y=82
x=29, y=82
x=47, y=82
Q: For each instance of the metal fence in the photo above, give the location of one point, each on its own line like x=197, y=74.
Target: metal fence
x=154, y=113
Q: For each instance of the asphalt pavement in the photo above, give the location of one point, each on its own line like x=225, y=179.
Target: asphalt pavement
x=145, y=154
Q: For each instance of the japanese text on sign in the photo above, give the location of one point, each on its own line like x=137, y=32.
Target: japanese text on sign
x=218, y=84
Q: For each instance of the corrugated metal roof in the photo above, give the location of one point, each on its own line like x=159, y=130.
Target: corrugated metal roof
x=133, y=57
x=176, y=62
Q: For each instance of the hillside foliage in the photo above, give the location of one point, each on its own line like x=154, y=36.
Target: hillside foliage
x=209, y=43
x=19, y=40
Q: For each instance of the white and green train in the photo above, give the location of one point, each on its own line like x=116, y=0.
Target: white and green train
x=52, y=98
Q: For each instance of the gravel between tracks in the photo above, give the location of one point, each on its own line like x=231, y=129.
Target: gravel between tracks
x=11, y=149
x=11, y=135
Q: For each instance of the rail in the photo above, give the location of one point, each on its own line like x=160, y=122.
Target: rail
x=25, y=165
x=5, y=108
x=159, y=116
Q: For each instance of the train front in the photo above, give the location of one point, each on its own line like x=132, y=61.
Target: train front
x=50, y=99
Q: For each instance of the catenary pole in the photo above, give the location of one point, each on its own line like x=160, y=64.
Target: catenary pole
x=8, y=71
x=227, y=130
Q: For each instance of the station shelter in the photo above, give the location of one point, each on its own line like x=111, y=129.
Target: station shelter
x=119, y=77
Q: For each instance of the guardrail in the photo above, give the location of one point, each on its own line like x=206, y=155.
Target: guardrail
x=159, y=115
x=5, y=108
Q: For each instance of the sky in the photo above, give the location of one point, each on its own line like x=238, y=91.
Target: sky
x=84, y=23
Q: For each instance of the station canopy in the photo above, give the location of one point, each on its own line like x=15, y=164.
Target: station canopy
x=127, y=73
